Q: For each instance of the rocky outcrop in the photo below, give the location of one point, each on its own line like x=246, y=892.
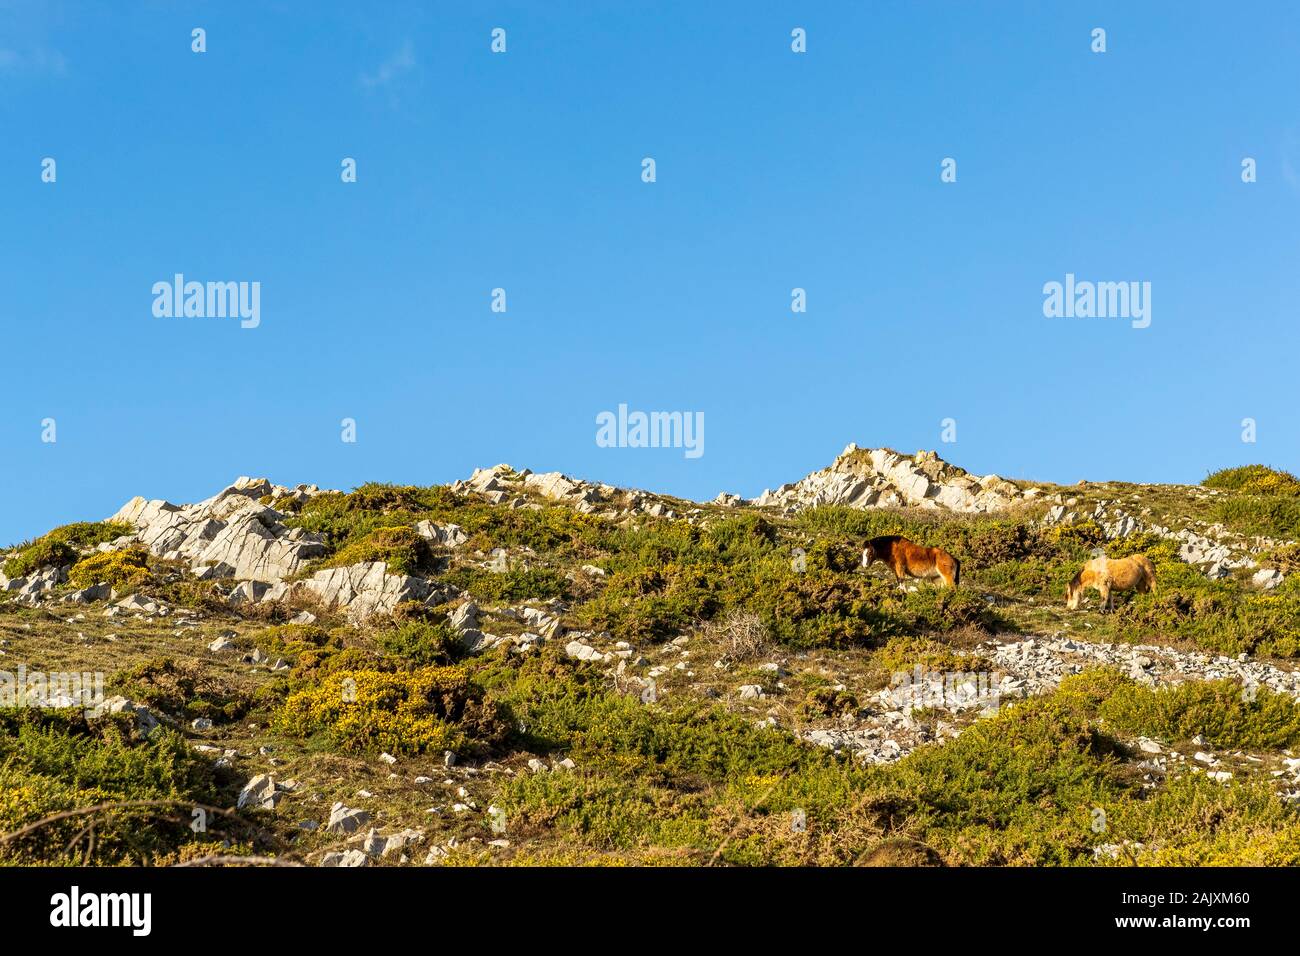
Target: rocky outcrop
x=888, y=730
x=1215, y=556
x=882, y=478
x=502, y=484
x=367, y=589
x=234, y=534
x=33, y=588
x=230, y=535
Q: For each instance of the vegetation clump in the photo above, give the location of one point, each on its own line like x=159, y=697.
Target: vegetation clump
x=122, y=570
x=402, y=549
x=60, y=546
x=182, y=689
x=1254, y=480
x=423, y=710
x=53, y=762
x=421, y=642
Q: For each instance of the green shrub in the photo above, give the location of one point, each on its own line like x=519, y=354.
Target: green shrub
x=1269, y=516
x=680, y=780
x=426, y=710
x=122, y=570
x=422, y=643
x=402, y=549
x=1285, y=559
x=56, y=761
x=516, y=584
x=43, y=553
x=653, y=604
x=1216, y=615
x=1226, y=714
x=934, y=609
x=1194, y=822
x=59, y=547
x=1254, y=480
x=823, y=702
x=182, y=689
x=906, y=653
x=292, y=640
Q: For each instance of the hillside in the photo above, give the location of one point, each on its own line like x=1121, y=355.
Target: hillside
x=522, y=668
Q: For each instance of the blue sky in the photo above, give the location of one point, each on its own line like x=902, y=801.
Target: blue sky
x=522, y=171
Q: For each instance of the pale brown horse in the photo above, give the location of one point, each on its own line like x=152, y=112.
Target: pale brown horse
x=910, y=560
x=1111, y=574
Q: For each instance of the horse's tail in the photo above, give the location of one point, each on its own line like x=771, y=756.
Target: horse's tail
x=956, y=572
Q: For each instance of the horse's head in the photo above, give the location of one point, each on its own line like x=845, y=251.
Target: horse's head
x=869, y=554
x=1074, y=592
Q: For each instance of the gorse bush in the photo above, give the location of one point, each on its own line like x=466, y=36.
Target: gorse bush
x=1268, y=503
x=653, y=604
x=122, y=570
x=1285, y=559
x=402, y=549
x=42, y=553
x=291, y=640
x=902, y=654
x=1219, y=615
x=424, y=710
x=1254, y=480
x=59, y=547
x=423, y=643
x=182, y=689
x=1267, y=516
x=56, y=761
x=679, y=781
x=347, y=517
x=1227, y=714
x=516, y=584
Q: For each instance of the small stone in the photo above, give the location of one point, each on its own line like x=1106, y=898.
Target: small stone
x=260, y=792
x=345, y=858
x=346, y=820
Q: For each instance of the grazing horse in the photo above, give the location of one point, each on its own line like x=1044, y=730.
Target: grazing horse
x=1111, y=574
x=910, y=560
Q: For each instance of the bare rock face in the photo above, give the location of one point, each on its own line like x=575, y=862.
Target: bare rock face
x=230, y=534
x=881, y=478
x=365, y=589
x=33, y=588
x=502, y=484
x=255, y=546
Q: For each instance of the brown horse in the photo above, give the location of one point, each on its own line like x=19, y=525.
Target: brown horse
x=1111, y=574
x=910, y=560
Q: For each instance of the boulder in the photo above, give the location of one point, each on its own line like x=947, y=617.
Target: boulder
x=1267, y=578
x=447, y=536
x=259, y=793
x=365, y=589
x=345, y=819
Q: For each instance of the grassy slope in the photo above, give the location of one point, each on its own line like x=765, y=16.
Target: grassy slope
x=690, y=778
